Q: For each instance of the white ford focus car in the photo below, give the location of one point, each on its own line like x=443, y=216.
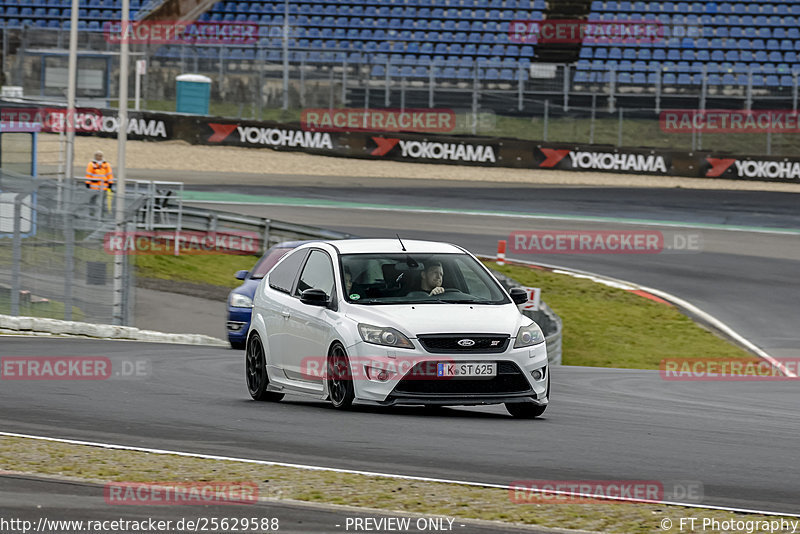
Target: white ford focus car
x=385, y=321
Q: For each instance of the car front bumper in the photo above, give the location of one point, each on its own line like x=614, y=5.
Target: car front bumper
x=413, y=383
x=238, y=324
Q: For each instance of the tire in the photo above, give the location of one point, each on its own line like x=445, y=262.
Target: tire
x=256, y=372
x=528, y=410
x=237, y=345
x=340, y=378
x=525, y=410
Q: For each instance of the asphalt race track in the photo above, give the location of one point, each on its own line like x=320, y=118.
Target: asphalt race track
x=738, y=439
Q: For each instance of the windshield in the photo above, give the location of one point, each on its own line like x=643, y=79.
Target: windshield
x=267, y=262
x=418, y=279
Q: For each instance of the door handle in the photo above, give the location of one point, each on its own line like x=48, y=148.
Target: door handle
x=286, y=314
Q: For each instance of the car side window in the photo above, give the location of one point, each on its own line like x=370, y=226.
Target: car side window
x=317, y=274
x=283, y=275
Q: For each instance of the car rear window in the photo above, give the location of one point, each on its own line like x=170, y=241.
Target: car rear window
x=282, y=277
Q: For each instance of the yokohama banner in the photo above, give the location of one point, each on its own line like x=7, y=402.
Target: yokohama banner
x=411, y=147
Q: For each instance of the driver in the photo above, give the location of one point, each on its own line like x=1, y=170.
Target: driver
x=431, y=280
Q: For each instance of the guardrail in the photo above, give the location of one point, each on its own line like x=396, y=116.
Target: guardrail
x=164, y=209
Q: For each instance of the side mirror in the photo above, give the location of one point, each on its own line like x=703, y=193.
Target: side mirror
x=314, y=297
x=241, y=275
x=518, y=295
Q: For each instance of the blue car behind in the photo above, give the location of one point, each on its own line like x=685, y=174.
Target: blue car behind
x=240, y=300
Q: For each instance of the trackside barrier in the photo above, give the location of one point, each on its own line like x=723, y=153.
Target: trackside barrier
x=444, y=149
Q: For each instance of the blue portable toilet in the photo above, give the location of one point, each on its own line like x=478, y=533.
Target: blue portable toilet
x=193, y=94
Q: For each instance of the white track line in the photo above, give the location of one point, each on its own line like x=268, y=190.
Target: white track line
x=521, y=215
x=752, y=347
x=377, y=474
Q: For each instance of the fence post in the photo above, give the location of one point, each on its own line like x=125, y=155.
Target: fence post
x=619, y=128
x=658, y=91
x=612, y=87
x=703, y=96
x=303, y=79
x=431, y=83
x=794, y=93
x=546, y=125
x=591, y=122
x=475, y=98
x=366, y=95
x=344, y=81
x=387, y=82
x=5, y=52
x=749, y=102
x=402, y=92
x=16, y=254
x=260, y=64
x=769, y=141
x=330, y=101
x=520, y=87
x=69, y=254
x=566, y=88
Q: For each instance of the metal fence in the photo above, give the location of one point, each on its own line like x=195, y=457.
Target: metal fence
x=52, y=260
x=614, y=103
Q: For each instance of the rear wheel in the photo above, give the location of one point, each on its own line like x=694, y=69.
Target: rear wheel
x=256, y=372
x=340, y=378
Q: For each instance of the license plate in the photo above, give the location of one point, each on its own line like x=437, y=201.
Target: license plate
x=466, y=369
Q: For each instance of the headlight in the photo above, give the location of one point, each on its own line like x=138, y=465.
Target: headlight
x=529, y=335
x=241, y=301
x=388, y=337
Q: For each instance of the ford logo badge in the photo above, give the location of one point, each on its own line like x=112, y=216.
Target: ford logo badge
x=466, y=342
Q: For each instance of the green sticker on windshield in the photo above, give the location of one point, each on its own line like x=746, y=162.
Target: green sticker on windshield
x=355, y=296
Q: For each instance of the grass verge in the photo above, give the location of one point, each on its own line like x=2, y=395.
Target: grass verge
x=214, y=270
x=429, y=498
x=610, y=327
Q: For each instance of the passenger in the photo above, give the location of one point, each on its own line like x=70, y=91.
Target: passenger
x=348, y=280
x=431, y=280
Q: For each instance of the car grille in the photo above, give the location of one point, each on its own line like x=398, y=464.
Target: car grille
x=509, y=380
x=448, y=343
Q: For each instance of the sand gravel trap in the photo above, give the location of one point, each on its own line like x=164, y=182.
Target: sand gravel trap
x=179, y=155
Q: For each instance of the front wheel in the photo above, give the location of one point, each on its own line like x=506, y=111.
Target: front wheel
x=340, y=378
x=256, y=372
x=525, y=410
x=528, y=410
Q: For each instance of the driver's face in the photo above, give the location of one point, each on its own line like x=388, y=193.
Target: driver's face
x=434, y=276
